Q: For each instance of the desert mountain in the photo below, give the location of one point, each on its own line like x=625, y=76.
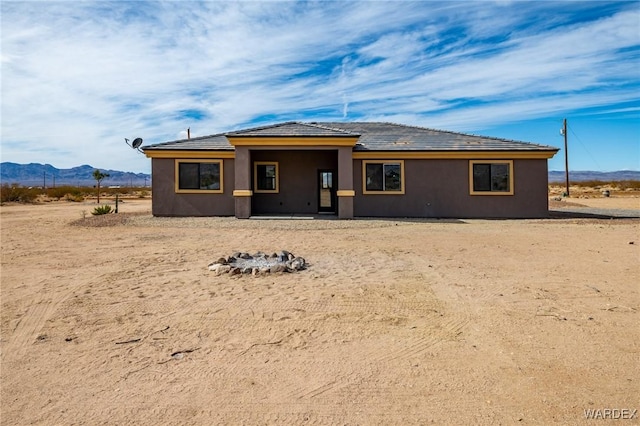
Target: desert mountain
x=36, y=174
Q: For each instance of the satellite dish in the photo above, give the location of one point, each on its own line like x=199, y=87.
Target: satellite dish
x=136, y=144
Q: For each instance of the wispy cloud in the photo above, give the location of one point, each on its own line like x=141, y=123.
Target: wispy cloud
x=79, y=77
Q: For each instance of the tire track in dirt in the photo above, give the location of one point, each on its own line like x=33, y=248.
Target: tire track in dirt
x=34, y=319
x=319, y=390
x=367, y=361
x=446, y=331
x=229, y=414
x=31, y=323
x=364, y=356
x=304, y=319
x=432, y=321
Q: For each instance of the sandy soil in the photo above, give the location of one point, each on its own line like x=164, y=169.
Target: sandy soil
x=626, y=203
x=395, y=321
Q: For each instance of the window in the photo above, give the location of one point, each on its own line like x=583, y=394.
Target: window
x=383, y=177
x=491, y=177
x=265, y=177
x=199, y=176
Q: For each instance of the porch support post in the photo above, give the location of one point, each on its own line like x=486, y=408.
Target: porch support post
x=345, y=182
x=242, y=188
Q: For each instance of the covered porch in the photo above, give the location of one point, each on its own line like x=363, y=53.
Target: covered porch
x=297, y=176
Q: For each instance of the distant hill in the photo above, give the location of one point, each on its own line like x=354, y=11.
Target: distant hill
x=36, y=174
x=581, y=176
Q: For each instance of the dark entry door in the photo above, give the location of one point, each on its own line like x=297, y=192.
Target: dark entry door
x=326, y=191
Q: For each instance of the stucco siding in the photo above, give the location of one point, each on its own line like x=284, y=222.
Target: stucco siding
x=166, y=202
x=440, y=188
x=433, y=188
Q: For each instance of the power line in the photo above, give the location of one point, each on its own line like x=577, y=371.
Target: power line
x=585, y=148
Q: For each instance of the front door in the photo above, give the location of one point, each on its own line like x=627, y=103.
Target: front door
x=326, y=191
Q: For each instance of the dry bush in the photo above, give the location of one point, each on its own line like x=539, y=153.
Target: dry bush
x=74, y=198
x=69, y=193
x=628, y=184
x=596, y=184
x=18, y=194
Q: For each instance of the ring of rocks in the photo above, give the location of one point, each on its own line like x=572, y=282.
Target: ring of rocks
x=258, y=264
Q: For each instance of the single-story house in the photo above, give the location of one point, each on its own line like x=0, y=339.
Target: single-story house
x=349, y=169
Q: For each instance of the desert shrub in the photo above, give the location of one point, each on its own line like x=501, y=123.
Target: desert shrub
x=596, y=184
x=105, y=209
x=75, y=198
x=143, y=194
x=622, y=185
x=18, y=193
x=68, y=192
x=628, y=184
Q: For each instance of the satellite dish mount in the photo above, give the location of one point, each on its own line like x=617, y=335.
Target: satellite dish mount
x=136, y=144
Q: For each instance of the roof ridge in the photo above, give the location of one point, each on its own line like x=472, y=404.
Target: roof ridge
x=319, y=125
x=265, y=126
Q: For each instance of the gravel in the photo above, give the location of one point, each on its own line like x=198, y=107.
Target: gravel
x=146, y=220
x=594, y=213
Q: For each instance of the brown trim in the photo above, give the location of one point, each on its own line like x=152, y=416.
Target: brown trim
x=242, y=193
x=346, y=193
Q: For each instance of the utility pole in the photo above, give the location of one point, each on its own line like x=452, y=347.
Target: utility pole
x=566, y=155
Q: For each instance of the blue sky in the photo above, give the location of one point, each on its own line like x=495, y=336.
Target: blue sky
x=80, y=76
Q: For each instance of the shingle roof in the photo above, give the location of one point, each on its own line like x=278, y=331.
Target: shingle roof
x=372, y=136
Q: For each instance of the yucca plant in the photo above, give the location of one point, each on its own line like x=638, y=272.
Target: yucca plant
x=101, y=210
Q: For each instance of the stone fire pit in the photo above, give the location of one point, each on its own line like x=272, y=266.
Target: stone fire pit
x=258, y=264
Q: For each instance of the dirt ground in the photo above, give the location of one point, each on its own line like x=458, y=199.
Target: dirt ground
x=394, y=322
